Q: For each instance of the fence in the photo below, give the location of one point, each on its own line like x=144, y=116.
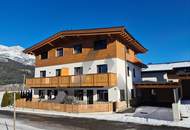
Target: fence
x=74, y=108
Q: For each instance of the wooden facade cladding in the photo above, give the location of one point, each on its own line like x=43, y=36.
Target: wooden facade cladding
x=117, y=38
x=115, y=49
x=88, y=53
x=126, y=54
x=88, y=80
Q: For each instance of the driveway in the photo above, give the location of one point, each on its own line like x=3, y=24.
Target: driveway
x=160, y=113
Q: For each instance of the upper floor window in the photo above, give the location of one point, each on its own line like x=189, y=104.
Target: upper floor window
x=43, y=73
x=77, y=49
x=59, y=52
x=44, y=55
x=58, y=72
x=100, y=44
x=78, y=70
x=102, y=68
x=134, y=73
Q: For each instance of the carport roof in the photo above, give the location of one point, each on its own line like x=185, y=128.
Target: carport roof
x=161, y=85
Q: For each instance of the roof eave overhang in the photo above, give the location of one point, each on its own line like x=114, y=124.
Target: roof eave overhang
x=103, y=31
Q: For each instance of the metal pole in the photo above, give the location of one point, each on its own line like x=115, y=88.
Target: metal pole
x=14, y=125
x=24, y=80
x=126, y=74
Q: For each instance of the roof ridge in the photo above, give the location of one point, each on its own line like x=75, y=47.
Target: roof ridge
x=86, y=29
x=169, y=62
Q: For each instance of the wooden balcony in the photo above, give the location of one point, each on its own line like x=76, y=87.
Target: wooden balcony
x=74, y=81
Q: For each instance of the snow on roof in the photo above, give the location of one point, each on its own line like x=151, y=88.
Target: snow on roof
x=166, y=66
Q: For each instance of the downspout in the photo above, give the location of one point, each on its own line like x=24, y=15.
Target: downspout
x=126, y=74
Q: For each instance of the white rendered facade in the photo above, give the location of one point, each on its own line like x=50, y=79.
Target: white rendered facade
x=115, y=65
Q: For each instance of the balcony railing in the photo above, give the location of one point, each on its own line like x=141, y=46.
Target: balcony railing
x=87, y=80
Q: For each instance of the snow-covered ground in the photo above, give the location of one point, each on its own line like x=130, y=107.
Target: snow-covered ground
x=7, y=124
x=160, y=113
x=121, y=117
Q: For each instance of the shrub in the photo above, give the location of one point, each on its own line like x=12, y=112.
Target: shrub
x=69, y=100
x=18, y=96
x=8, y=99
x=5, y=100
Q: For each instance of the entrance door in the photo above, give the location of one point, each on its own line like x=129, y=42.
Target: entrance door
x=90, y=96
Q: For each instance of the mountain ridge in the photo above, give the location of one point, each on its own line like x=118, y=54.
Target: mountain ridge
x=14, y=64
x=15, y=53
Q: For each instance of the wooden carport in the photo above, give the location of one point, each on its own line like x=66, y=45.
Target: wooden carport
x=183, y=75
x=154, y=92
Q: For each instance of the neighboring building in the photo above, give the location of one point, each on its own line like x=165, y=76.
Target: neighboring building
x=164, y=83
x=159, y=72
x=94, y=65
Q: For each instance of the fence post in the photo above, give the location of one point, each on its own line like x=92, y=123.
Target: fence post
x=14, y=125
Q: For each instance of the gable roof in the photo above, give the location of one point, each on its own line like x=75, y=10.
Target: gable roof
x=166, y=66
x=120, y=31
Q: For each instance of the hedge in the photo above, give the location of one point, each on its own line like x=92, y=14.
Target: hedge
x=8, y=99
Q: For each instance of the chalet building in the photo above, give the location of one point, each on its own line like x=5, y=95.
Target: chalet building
x=164, y=84
x=92, y=65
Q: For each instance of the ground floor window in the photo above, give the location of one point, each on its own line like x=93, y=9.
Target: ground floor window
x=36, y=92
x=55, y=93
x=66, y=92
x=102, y=95
x=122, y=95
x=52, y=94
x=41, y=94
x=78, y=94
x=49, y=94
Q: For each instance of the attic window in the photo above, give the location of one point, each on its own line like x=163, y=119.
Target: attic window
x=59, y=52
x=100, y=44
x=77, y=49
x=44, y=55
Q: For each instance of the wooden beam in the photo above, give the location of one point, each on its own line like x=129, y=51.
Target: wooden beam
x=158, y=85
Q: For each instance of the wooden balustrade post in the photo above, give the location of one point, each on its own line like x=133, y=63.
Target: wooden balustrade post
x=108, y=79
x=80, y=80
x=58, y=82
x=94, y=81
x=93, y=84
x=70, y=81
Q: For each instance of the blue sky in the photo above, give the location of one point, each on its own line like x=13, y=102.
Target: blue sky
x=162, y=26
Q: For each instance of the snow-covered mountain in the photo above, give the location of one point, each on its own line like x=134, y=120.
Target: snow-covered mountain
x=15, y=53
